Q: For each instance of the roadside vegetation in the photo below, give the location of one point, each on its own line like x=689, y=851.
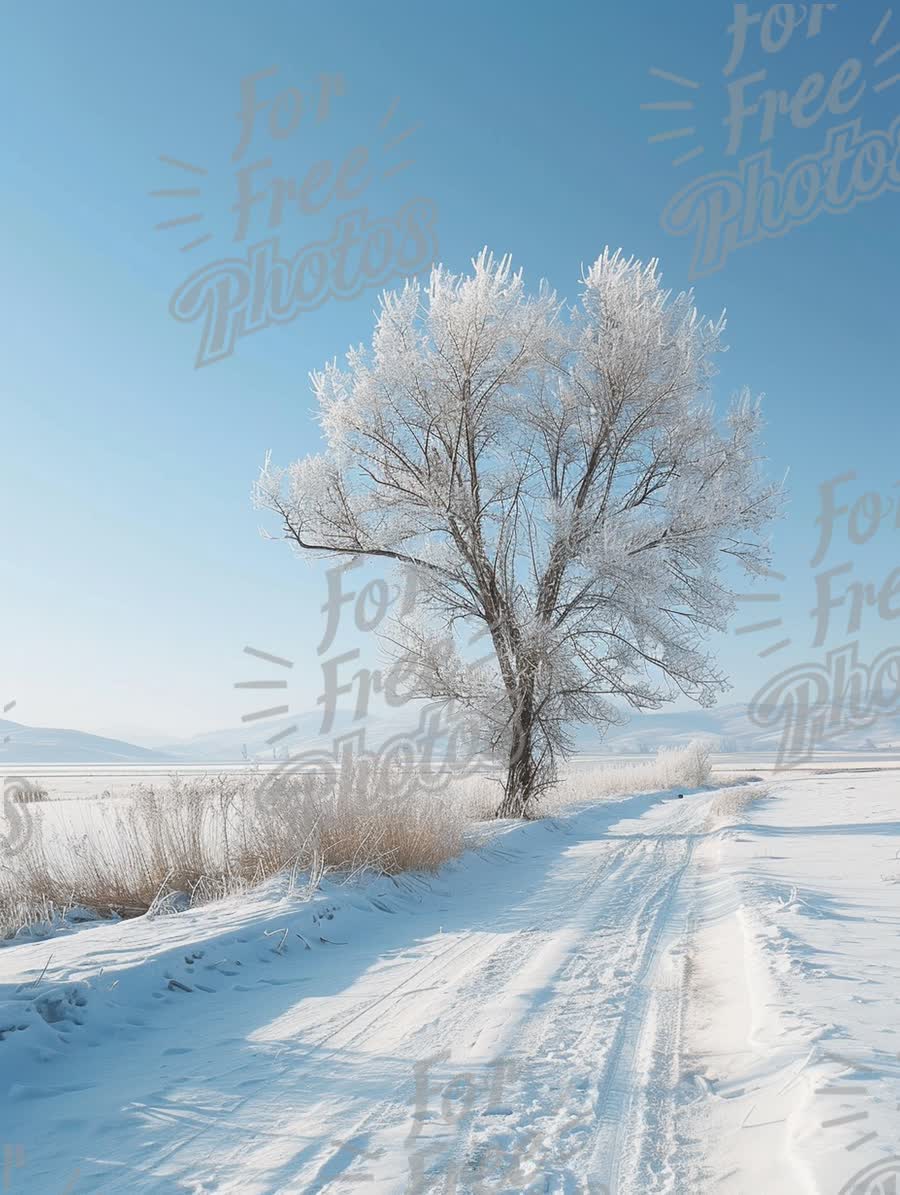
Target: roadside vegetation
x=164, y=849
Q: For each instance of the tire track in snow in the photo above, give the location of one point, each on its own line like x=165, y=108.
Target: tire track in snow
x=479, y=952
x=580, y=948
x=636, y=1108
x=265, y=1110
x=619, y=1130
x=472, y=1013
x=609, y=965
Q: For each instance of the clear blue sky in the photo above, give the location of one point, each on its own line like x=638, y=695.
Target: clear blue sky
x=133, y=572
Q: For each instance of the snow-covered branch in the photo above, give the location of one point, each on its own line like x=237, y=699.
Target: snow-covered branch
x=559, y=478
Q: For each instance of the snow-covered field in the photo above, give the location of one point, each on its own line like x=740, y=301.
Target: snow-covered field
x=646, y=994
x=88, y=780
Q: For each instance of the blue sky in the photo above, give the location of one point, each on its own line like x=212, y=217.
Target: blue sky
x=133, y=571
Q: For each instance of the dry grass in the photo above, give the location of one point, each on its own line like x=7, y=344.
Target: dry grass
x=199, y=840
x=678, y=768
x=733, y=804
x=674, y=768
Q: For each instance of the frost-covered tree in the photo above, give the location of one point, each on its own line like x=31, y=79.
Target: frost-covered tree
x=557, y=479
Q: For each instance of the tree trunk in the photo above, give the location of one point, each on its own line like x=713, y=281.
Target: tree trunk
x=520, y=786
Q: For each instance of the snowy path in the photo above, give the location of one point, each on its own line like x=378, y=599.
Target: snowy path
x=613, y=1002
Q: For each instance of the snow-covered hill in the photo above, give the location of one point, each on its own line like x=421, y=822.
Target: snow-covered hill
x=44, y=745
x=727, y=728
x=292, y=733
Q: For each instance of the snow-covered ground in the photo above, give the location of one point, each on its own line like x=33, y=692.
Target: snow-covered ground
x=650, y=994
x=792, y=1030
x=88, y=781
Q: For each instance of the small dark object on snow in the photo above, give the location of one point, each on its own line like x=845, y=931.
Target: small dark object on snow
x=681, y=796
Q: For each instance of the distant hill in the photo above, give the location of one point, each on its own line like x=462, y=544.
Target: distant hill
x=228, y=746
x=43, y=744
x=727, y=729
